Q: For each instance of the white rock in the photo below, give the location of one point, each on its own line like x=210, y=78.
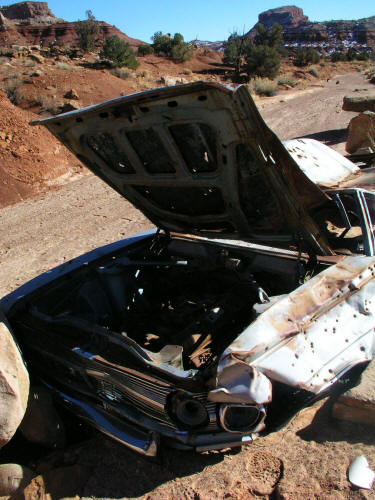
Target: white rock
x=14, y=384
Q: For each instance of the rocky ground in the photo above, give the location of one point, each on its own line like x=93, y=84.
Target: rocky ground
x=306, y=459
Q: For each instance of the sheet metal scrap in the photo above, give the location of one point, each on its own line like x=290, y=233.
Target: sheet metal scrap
x=308, y=338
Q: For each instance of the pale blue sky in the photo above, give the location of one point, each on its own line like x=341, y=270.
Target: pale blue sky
x=206, y=19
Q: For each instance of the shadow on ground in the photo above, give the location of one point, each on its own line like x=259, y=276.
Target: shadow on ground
x=329, y=137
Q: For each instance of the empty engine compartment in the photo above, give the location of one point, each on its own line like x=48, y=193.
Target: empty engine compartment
x=181, y=294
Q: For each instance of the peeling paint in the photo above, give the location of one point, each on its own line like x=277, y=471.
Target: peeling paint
x=311, y=336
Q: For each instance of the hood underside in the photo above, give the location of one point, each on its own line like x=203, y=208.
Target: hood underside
x=197, y=159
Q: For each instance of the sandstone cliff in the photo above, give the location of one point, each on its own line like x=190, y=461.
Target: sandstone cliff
x=299, y=30
x=33, y=23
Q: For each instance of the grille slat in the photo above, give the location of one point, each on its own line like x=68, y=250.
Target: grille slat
x=147, y=396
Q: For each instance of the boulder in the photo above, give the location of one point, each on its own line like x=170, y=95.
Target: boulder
x=69, y=106
x=14, y=384
x=359, y=103
x=358, y=404
x=169, y=81
x=42, y=424
x=36, y=57
x=14, y=478
x=361, y=132
x=72, y=94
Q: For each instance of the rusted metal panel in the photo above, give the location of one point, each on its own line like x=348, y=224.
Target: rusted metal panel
x=314, y=334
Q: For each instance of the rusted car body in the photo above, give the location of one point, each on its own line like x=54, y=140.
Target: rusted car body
x=257, y=286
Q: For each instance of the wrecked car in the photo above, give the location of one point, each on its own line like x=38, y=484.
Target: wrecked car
x=255, y=290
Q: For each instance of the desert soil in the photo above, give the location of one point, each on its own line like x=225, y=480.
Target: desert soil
x=306, y=459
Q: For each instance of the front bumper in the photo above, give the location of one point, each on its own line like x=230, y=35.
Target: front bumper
x=146, y=441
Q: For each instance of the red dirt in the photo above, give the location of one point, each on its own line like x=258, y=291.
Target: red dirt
x=29, y=156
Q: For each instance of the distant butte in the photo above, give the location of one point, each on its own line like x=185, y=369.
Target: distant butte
x=299, y=30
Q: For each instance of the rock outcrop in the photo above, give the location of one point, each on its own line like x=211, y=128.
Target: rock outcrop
x=288, y=16
x=14, y=384
x=33, y=23
x=298, y=29
x=29, y=13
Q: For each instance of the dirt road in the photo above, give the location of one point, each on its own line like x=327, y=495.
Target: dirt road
x=307, y=459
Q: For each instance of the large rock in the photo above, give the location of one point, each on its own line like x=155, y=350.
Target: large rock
x=42, y=424
x=358, y=404
x=326, y=35
x=288, y=16
x=29, y=13
x=361, y=132
x=359, y=103
x=14, y=384
x=14, y=478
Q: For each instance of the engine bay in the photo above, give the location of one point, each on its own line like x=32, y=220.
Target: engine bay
x=183, y=303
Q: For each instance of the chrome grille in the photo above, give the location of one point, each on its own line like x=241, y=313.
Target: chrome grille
x=147, y=395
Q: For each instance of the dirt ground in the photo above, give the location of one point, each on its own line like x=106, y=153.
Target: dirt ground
x=307, y=459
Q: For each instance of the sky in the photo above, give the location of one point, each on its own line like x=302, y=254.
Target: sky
x=203, y=19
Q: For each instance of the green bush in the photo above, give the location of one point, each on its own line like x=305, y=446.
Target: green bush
x=175, y=48
x=182, y=52
x=305, y=56
x=338, y=55
x=262, y=61
x=119, y=53
x=86, y=31
x=145, y=49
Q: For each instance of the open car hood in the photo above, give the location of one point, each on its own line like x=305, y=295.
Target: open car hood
x=197, y=159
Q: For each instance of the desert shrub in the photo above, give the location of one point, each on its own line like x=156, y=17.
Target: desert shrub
x=272, y=37
x=49, y=104
x=322, y=64
x=29, y=63
x=186, y=71
x=122, y=73
x=235, y=49
x=119, y=53
x=145, y=74
x=145, y=49
x=313, y=72
x=5, y=52
x=12, y=88
x=86, y=31
x=305, y=56
x=338, y=55
x=64, y=66
x=264, y=87
x=286, y=80
x=175, y=48
x=363, y=56
x=262, y=61
x=182, y=52
x=370, y=74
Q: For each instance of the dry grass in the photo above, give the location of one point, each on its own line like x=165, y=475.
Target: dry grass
x=122, y=73
x=314, y=72
x=263, y=87
x=64, y=66
x=12, y=87
x=287, y=80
